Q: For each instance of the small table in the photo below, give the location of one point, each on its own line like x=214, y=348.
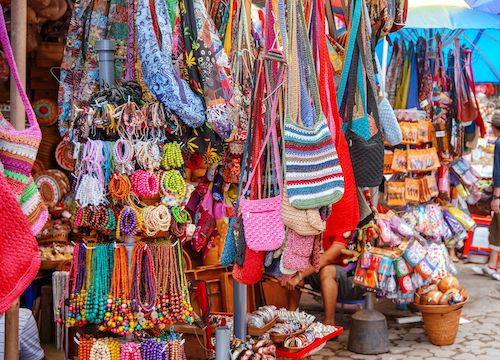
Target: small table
x=282, y=353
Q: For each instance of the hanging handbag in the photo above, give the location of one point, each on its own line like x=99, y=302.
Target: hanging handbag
x=367, y=156
x=313, y=174
x=298, y=250
x=19, y=255
x=388, y=120
x=18, y=150
x=157, y=69
x=264, y=228
x=251, y=271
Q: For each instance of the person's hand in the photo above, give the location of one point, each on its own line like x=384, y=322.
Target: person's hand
x=495, y=205
x=292, y=283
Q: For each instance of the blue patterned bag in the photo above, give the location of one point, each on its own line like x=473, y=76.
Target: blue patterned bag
x=157, y=69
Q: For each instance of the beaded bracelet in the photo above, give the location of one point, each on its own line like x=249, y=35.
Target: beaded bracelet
x=123, y=152
x=156, y=219
x=119, y=186
x=144, y=183
x=129, y=222
x=174, y=183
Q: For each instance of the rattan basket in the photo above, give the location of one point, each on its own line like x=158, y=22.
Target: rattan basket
x=441, y=322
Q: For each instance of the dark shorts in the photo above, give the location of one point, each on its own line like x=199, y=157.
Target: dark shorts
x=344, y=284
x=494, y=236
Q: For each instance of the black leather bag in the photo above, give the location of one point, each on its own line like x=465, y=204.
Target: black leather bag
x=367, y=156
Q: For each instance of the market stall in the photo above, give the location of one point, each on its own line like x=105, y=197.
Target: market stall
x=198, y=148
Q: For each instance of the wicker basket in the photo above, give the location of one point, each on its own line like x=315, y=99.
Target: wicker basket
x=441, y=322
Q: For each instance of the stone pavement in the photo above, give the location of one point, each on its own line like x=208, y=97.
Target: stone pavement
x=478, y=340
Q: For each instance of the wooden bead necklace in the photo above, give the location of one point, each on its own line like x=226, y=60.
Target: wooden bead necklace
x=143, y=284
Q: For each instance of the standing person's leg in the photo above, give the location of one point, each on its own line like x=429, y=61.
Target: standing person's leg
x=490, y=269
x=329, y=291
x=293, y=299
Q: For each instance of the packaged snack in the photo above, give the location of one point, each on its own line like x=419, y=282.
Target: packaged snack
x=399, y=162
x=359, y=276
x=444, y=180
x=395, y=193
x=462, y=218
x=409, y=218
x=401, y=267
x=365, y=260
x=424, y=226
x=385, y=230
x=425, y=268
x=405, y=283
x=391, y=282
x=401, y=228
x=375, y=262
x=412, y=190
x=436, y=220
x=371, y=279
x=414, y=254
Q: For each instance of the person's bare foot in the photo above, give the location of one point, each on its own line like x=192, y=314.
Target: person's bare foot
x=454, y=258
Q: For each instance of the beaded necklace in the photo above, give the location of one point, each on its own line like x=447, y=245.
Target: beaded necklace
x=71, y=277
x=143, y=286
x=130, y=351
x=118, y=317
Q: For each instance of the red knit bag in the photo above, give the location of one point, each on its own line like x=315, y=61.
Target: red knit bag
x=19, y=256
x=345, y=213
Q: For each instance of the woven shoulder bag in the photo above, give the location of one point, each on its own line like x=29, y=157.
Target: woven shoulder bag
x=313, y=174
x=263, y=225
x=18, y=151
x=367, y=156
x=344, y=216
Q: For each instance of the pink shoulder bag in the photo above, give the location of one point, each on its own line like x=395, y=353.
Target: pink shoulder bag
x=262, y=222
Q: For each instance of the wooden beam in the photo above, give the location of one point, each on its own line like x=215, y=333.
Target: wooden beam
x=12, y=332
x=18, y=33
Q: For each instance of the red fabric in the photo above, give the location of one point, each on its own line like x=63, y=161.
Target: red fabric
x=19, y=256
x=345, y=213
x=251, y=272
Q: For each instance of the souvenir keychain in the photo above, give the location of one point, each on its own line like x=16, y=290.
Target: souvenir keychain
x=412, y=190
x=399, y=163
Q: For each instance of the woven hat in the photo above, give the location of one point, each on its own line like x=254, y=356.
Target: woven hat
x=19, y=256
x=495, y=119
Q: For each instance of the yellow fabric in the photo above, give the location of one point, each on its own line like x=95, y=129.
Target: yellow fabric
x=229, y=29
x=399, y=96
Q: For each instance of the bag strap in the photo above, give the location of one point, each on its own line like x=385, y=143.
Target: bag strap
x=348, y=55
x=4, y=37
x=359, y=55
x=274, y=98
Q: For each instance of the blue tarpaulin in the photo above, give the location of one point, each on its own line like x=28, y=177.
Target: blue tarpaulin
x=477, y=30
x=492, y=6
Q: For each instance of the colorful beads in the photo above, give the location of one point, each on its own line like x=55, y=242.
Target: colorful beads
x=172, y=158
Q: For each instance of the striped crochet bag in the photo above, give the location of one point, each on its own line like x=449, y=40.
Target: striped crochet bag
x=313, y=174
x=18, y=150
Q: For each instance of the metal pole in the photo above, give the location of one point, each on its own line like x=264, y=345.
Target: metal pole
x=222, y=343
x=106, y=56
x=18, y=33
x=240, y=310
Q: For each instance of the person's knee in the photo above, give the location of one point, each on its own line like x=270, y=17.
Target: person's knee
x=328, y=273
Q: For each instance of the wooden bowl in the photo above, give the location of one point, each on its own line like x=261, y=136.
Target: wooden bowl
x=279, y=338
x=255, y=331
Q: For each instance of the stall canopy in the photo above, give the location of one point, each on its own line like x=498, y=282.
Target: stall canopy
x=477, y=30
x=492, y=6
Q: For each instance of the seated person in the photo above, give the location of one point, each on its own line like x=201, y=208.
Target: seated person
x=29, y=342
x=332, y=281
